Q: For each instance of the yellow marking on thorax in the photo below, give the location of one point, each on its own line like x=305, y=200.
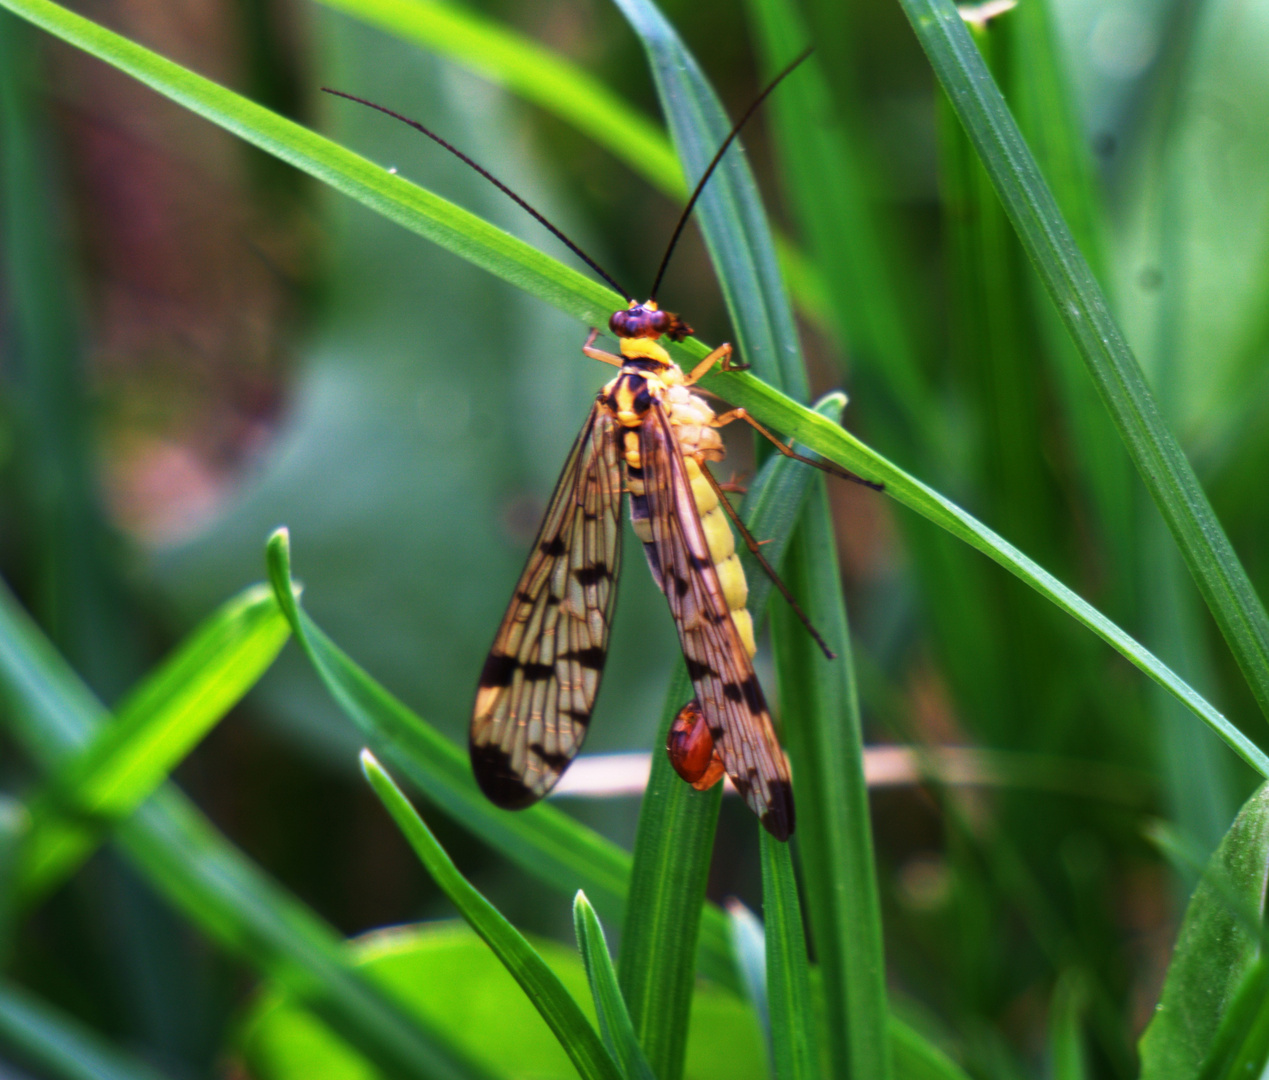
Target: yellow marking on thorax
x=644, y=349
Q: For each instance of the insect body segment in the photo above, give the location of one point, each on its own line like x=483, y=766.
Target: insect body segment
x=539, y=683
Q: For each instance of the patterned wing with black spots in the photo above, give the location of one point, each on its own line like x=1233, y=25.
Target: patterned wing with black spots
x=539, y=682
x=726, y=686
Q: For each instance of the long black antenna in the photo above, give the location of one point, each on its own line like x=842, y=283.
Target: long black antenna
x=493, y=180
x=700, y=184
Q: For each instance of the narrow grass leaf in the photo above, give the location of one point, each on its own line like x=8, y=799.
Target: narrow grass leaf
x=748, y=942
x=52, y=715
x=40, y=1035
x=540, y=984
x=1219, y=944
x=542, y=840
x=676, y=822
x=610, y=1006
x=154, y=729
x=839, y=446
x=730, y=209
x=373, y=185
x=537, y=74
x=794, y=1019
x=1162, y=465
x=820, y=711
x=831, y=191
x=571, y=292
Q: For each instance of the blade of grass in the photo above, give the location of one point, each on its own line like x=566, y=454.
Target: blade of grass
x=794, y=1023
x=571, y=292
x=610, y=1006
x=540, y=984
x=829, y=187
x=822, y=730
x=52, y=715
x=839, y=446
x=542, y=840
x=1163, y=467
x=1241, y=1045
x=676, y=823
x=748, y=942
x=155, y=727
x=537, y=74
x=40, y=1035
x=730, y=210
x=670, y=868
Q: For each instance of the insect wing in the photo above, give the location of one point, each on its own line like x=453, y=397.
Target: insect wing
x=539, y=682
x=721, y=672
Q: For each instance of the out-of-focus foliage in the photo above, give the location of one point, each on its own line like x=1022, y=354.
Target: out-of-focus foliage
x=196, y=346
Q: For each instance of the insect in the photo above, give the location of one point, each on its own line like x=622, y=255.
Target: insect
x=648, y=436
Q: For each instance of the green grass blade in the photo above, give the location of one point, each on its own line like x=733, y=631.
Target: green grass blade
x=1162, y=465
x=794, y=1023
x=532, y=72
x=676, y=822
x=540, y=984
x=53, y=715
x=730, y=210
x=155, y=727
x=610, y=1006
x=667, y=896
x=408, y=205
x=820, y=709
x=830, y=190
x=838, y=445
x=40, y=1035
x=748, y=942
x=542, y=840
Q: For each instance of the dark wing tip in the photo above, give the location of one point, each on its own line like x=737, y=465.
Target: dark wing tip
x=499, y=782
x=779, y=819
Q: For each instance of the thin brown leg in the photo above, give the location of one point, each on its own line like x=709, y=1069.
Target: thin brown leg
x=754, y=549
x=826, y=466
x=599, y=354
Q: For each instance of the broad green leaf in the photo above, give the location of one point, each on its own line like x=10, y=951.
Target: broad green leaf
x=37, y=1034
x=52, y=715
x=610, y=1006
x=539, y=983
x=1220, y=941
x=1162, y=465
x=154, y=728
x=451, y=980
x=794, y=1022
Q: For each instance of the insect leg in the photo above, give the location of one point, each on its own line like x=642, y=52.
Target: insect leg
x=755, y=550
x=723, y=353
x=599, y=354
x=825, y=466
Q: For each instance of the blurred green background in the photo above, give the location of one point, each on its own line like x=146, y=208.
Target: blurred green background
x=198, y=345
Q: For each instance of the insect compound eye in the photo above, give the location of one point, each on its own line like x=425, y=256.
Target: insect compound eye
x=618, y=323
x=660, y=322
